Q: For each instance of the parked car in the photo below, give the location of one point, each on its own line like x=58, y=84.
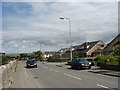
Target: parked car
x=68, y=63
x=80, y=63
x=31, y=63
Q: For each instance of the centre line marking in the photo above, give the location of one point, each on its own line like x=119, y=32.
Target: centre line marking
x=53, y=70
x=72, y=76
x=67, y=74
x=76, y=77
x=102, y=86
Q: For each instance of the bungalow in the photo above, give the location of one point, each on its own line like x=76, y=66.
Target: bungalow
x=108, y=49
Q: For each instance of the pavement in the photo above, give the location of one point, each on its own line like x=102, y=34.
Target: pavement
x=94, y=69
x=49, y=75
x=23, y=78
x=98, y=70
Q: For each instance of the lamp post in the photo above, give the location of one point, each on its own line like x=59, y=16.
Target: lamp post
x=70, y=36
x=16, y=45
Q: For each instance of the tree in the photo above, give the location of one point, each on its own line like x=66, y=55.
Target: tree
x=5, y=59
x=116, y=52
x=24, y=55
x=38, y=55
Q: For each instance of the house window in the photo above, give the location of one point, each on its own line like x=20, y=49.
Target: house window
x=88, y=46
x=73, y=49
x=102, y=45
x=81, y=48
x=61, y=50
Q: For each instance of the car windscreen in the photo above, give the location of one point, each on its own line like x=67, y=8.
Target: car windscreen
x=30, y=62
x=82, y=59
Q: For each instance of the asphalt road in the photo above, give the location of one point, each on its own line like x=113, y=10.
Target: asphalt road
x=51, y=76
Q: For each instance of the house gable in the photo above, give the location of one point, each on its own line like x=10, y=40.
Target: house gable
x=98, y=46
x=110, y=45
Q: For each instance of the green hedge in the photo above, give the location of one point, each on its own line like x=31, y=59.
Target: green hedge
x=110, y=59
x=4, y=59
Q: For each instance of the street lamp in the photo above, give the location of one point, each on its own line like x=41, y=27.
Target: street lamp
x=70, y=36
x=16, y=45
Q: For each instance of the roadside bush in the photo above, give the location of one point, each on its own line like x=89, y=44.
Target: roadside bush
x=116, y=53
x=5, y=59
x=117, y=59
x=101, y=59
x=110, y=59
x=76, y=57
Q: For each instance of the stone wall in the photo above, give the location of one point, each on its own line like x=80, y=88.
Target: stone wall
x=7, y=73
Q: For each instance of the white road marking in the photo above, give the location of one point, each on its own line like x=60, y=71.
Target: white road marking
x=67, y=74
x=53, y=70
x=76, y=77
x=102, y=86
x=39, y=65
x=72, y=76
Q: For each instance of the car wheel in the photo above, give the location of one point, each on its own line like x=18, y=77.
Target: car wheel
x=73, y=67
x=36, y=66
x=79, y=66
x=89, y=67
x=27, y=66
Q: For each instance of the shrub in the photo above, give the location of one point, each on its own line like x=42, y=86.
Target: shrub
x=101, y=59
x=110, y=59
x=5, y=59
x=76, y=57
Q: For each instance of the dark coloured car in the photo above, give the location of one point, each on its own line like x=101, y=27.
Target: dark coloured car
x=68, y=63
x=31, y=63
x=80, y=63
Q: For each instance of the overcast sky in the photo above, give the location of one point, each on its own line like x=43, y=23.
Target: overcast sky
x=25, y=24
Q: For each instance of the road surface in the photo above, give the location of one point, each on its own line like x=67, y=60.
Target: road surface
x=51, y=76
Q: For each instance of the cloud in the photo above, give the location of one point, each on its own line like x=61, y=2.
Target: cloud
x=39, y=23
x=61, y=1
x=0, y=26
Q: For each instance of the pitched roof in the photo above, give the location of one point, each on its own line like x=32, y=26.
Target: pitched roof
x=49, y=52
x=115, y=41
x=97, y=50
x=64, y=49
x=90, y=44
